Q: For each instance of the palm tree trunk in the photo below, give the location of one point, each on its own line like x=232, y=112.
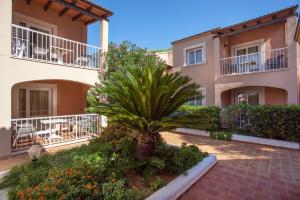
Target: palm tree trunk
x=146, y=145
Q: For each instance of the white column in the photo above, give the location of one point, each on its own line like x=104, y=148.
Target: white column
x=217, y=57
x=5, y=24
x=103, y=40
x=104, y=49
x=5, y=87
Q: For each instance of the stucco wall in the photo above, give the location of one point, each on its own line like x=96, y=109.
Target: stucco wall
x=275, y=96
x=273, y=37
x=71, y=97
x=202, y=74
x=73, y=30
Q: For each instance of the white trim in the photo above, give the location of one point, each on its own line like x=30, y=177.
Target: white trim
x=19, y=17
x=179, y=185
x=46, y=86
x=199, y=45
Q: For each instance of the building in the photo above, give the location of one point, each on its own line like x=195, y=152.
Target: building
x=46, y=69
x=254, y=62
x=165, y=55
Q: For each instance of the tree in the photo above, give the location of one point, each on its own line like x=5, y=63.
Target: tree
x=147, y=99
x=119, y=57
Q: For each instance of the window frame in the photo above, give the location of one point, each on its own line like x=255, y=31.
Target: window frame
x=194, y=48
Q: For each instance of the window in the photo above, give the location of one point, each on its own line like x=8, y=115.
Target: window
x=34, y=100
x=194, y=54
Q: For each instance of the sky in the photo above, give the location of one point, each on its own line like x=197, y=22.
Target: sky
x=154, y=24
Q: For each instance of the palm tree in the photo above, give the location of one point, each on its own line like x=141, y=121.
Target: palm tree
x=147, y=99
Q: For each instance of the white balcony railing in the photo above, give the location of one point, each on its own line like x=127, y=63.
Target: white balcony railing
x=264, y=61
x=39, y=46
x=56, y=130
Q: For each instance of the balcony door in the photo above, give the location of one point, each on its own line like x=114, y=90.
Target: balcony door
x=247, y=58
x=34, y=100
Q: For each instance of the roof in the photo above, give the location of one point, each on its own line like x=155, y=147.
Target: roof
x=266, y=19
x=270, y=17
x=196, y=35
x=81, y=10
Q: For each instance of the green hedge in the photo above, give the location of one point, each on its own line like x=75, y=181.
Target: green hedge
x=209, y=116
x=278, y=122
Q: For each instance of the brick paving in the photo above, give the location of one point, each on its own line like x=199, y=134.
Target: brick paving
x=244, y=171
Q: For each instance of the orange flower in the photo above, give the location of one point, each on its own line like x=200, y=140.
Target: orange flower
x=20, y=194
x=42, y=197
x=89, y=177
x=89, y=186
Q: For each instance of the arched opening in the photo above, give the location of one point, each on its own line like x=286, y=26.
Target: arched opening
x=254, y=95
x=50, y=112
x=41, y=98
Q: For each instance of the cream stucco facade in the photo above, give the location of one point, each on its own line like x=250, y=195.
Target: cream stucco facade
x=71, y=82
x=272, y=40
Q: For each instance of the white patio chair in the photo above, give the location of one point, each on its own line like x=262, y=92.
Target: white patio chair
x=23, y=131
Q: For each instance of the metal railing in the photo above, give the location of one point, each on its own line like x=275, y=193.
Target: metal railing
x=56, y=130
x=39, y=46
x=263, y=61
x=237, y=120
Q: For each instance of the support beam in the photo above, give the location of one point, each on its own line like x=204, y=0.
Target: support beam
x=48, y=4
x=67, y=8
x=103, y=42
x=259, y=25
x=78, y=9
x=80, y=14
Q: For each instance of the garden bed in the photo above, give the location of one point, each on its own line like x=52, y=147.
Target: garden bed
x=106, y=169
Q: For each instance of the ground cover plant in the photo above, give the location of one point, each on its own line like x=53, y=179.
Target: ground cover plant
x=107, y=168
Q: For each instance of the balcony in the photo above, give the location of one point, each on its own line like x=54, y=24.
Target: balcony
x=34, y=45
x=263, y=61
x=53, y=131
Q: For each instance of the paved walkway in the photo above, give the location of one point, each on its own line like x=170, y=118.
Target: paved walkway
x=244, y=171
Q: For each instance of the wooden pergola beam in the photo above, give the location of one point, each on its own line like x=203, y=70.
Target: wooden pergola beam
x=77, y=8
x=67, y=8
x=80, y=14
x=48, y=4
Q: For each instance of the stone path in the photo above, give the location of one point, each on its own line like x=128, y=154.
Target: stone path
x=244, y=171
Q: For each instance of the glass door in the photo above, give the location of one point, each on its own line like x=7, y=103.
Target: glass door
x=247, y=59
x=35, y=102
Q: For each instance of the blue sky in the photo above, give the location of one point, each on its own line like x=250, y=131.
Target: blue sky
x=154, y=24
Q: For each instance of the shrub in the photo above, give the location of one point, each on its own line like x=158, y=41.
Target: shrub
x=277, y=122
x=208, y=116
x=116, y=190
x=156, y=183
x=113, y=133
x=178, y=160
x=221, y=135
